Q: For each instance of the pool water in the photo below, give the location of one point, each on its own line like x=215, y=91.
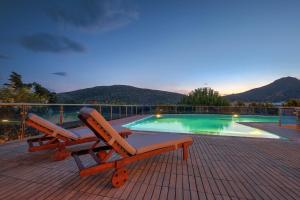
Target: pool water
x=212, y=124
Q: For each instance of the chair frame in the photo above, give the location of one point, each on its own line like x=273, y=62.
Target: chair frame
x=103, y=153
x=59, y=142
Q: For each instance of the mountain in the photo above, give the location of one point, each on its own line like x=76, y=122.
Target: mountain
x=277, y=91
x=120, y=94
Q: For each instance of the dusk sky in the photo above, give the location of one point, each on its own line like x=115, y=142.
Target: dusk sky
x=231, y=46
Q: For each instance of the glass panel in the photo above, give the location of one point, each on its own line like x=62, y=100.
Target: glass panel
x=11, y=115
x=10, y=123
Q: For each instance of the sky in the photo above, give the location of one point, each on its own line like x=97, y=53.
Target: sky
x=174, y=45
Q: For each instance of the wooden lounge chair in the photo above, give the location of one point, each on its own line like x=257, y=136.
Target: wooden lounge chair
x=56, y=137
x=134, y=148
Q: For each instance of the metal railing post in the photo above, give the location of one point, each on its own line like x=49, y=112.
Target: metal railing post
x=23, y=114
x=279, y=118
x=126, y=111
x=120, y=111
x=61, y=115
x=297, y=111
x=100, y=109
x=136, y=111
x=111, y=112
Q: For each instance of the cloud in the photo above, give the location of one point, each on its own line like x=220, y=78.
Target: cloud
x=93, y=14
x=45, y=42
x=4, y=57
x=60, y=73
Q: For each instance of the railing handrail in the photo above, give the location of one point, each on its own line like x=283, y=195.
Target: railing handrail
x=65, y=104
x=286, y=107
x=138, y=105
x=113, y=111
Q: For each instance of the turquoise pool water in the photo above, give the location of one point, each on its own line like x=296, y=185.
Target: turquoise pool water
x=212, y=124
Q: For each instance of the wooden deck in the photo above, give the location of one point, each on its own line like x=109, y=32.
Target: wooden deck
x=218, y=168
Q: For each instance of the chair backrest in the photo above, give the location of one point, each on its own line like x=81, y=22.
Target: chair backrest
x=103, y=130
x=48, y=127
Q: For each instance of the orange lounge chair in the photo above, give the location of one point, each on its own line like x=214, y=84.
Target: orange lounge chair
x=134, y=148
x=56, y=137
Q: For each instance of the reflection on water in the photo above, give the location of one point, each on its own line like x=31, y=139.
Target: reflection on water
x=205, y=124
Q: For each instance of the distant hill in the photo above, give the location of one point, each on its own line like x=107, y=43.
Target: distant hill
x=277, y=91
x=123, y=94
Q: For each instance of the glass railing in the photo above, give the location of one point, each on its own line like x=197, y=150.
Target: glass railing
x=289, y=117
x=13, y=116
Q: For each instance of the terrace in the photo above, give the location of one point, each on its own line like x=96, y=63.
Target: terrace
x=218, y=167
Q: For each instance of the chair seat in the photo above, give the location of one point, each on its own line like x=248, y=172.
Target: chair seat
x=85, y=132
x=82, y=132
x=148, y=142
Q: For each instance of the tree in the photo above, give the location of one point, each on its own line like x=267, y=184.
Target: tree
x=15, y=91
x=261, y=104
x=292, y=103
x=239, y=103
x=44, y=93
x=204, y=97
x=40, y=90
x=15, y=81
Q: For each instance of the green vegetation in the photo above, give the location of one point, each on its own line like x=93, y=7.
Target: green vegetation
x=239, y=104
x=204, y=97
x=261, y=105
x=292, y=103
x=15, y=91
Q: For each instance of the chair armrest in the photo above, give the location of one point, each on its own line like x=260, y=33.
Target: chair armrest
x=125, y=132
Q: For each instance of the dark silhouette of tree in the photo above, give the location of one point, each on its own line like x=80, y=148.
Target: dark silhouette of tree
x=261, y=105
x=15, y=81
x=292, y=103
x=204, y=97
x=44, y=92
x=15, y=91
x=239, y=103
x=40, y=90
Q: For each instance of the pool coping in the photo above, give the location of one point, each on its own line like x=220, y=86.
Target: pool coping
x=285, y=133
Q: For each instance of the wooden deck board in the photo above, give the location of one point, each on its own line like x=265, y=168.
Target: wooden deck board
x=217, y=168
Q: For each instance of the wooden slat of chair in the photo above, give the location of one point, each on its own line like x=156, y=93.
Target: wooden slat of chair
x=101, y=133
x=126, y=158
x=120, y=176
x=121, y=163
x=58, y=142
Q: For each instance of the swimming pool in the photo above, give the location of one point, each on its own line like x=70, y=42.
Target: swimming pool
x=211, y=124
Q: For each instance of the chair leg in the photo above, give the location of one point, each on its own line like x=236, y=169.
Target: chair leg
x=185, y=151
x=119, y=177
x=61, y=154
x=103, y=155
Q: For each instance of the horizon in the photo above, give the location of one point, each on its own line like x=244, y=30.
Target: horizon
x=231, y=46
x=177, y=91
